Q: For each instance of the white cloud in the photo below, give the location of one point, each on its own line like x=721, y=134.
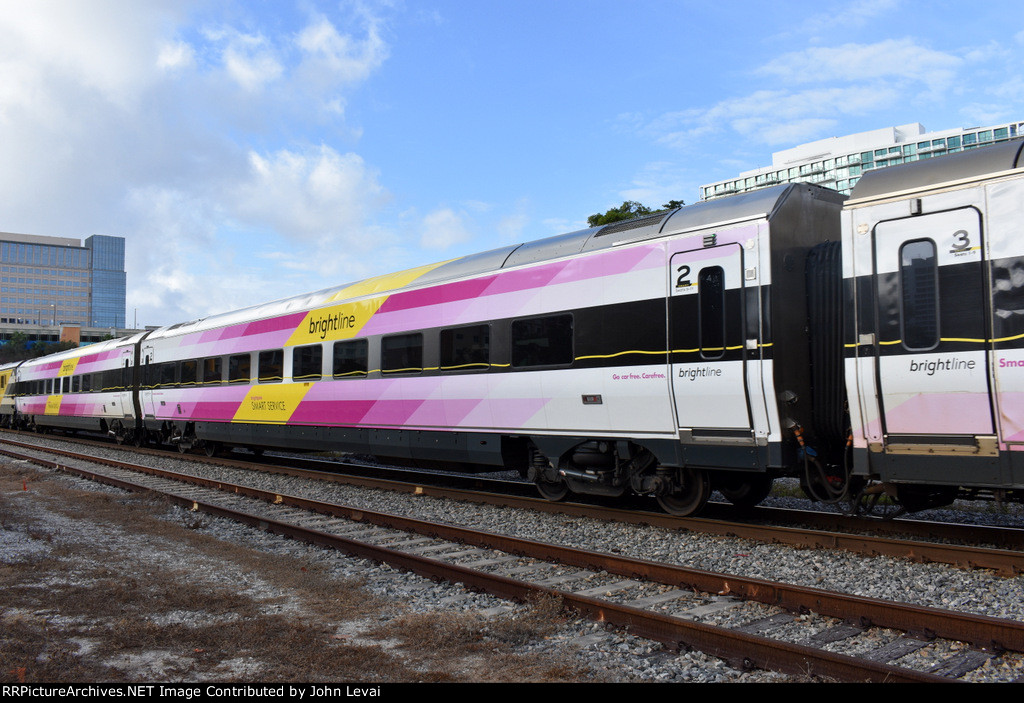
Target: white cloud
x=317, y=195
x=343, y=58
x=442, y=229
x=176, y=55
x=250, y=60
x=140, y=124
x=901, y=60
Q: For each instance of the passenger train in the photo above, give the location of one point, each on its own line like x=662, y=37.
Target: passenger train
x=867, y=345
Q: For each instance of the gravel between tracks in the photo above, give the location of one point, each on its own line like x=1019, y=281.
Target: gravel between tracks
x=613, y=656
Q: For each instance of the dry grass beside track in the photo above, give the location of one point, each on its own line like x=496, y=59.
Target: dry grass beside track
x=105, y=586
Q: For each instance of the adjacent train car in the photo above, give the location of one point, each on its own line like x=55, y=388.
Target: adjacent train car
x=7, y=407
x=89, y=388
x=934, y=276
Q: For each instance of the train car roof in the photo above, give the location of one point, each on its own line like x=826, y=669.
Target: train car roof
x=93, y=348
x=935, y=171
x=756, y=204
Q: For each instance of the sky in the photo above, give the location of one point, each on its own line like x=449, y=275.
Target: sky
x=253, y=150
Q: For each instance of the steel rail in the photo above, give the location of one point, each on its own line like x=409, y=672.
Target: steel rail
x=982, y=631
x=743, y=649
x=1005, y=562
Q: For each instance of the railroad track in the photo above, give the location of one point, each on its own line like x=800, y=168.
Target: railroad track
x=764, y=624
x=953, y=544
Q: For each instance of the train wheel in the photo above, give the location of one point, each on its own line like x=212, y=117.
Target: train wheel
x=552, y=490
x=690, y=496
x=745, y=491
x=211, y=448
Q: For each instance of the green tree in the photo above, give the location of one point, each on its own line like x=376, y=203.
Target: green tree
x=627, y=211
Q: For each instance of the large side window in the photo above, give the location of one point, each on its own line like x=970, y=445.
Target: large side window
x=189, y=372
x=307, y=363
x=211, y=370
x=542, y=341
x=239, y=368
x=271, y=366
x=167, y=373
x=465, y=348
x=350, y=359
x=711, y=291
x=402, y=353
x=919, y=294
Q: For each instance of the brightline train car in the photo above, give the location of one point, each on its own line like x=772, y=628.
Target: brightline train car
x=934, y=276
x=7, y=394
x=663, y=355
x=88, y=388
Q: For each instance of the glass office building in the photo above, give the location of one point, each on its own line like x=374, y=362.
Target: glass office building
x=56, y=280
x=838, y=162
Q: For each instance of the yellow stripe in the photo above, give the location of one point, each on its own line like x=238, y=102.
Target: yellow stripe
x=271, y=404
x=968, y=340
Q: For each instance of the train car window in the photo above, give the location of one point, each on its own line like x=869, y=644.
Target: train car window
x=402, y=353
x=86, y=382
x=48, y=386
x=167, y=373
x=189, y=372
x=711, y=303
x=919, y=294
x=211, y=370
x=542, y=341
x=238, y=368
x=65, y=385
x=76, y=384
x=307, y=363
x=350, y=359
x=465, y=348
x=271, y=366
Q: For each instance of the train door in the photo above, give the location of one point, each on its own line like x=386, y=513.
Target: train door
x=931, y=369
x=706, y=323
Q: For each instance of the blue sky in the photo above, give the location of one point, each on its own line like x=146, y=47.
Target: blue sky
x=249, y=151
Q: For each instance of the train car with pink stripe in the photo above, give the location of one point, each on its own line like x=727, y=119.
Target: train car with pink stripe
x=639, y=357
x=90, y=388
x=869, y=346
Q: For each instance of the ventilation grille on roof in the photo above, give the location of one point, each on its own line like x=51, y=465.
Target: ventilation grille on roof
x=634, y=223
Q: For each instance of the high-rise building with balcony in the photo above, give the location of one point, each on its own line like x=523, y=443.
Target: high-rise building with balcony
x=838, y=162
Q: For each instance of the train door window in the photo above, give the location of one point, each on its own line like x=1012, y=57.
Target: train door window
x=189, y=372
x=711, y=292
x=238, y=368
x=211, y=370
x=466, y=348
x=350, y=359
x=542, y=341
x=307, y=363
x=919, y=294
x=402, y=353
x=271, y=366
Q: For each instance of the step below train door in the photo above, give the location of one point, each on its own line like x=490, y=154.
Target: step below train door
x=932, y=362
x=708, y=351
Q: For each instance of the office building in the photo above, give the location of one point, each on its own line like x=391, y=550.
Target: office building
x=53, y=281
x=838, y=162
